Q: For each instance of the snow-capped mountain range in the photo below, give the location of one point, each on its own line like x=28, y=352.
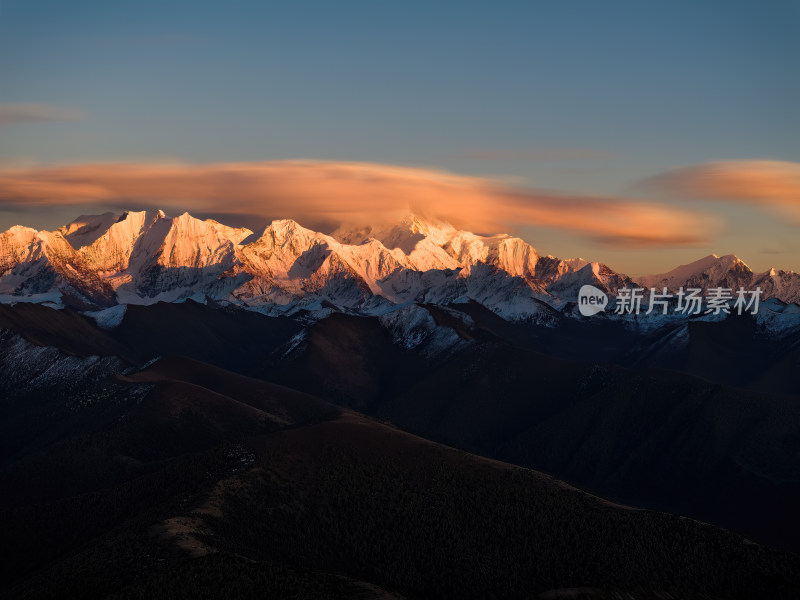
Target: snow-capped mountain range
x=728, y=272
x=144, y=257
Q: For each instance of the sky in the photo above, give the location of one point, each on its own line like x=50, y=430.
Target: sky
x=640, y=134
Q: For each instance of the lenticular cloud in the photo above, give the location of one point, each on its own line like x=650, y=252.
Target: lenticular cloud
x=352, y=193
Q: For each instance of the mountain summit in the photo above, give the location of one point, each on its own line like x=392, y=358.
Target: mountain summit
x=727, y=271
x=145, y=257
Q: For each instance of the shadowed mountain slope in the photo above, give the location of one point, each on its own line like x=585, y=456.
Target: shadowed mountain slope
x=190, y=487
x=649, y=437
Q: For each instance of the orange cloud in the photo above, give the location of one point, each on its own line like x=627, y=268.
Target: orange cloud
x=353, y=193
x=773, y=184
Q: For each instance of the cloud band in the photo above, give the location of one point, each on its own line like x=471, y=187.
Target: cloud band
x=353, y=193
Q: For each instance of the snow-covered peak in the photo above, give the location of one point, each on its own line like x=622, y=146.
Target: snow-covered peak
x=601, y=276
x=128, y=235
x=288, y=227
x=42, y=264
x=439, y=232
x=193, y=243
x=286, y=250
x=410, y=227
x=776, y=273
x=710, y=271
x=420, y=241
x=180, y=241
x=87, y=228
x=776, y=283
x=287, y=234
x=146, y=256
x=18, y=235
x=508, y=253
x=15, y=246
x=188, y=226
x=511, y=254
x=20, y=243
x=432, y=244
x=414, y=241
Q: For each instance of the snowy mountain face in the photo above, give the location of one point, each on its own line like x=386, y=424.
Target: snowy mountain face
x=567, y=284
x=147, y=255
x=709, y=272
x=99, y=261
x=42, y=265
x=727, y=272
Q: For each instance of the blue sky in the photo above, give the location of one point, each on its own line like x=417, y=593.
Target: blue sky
x=581, y=97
